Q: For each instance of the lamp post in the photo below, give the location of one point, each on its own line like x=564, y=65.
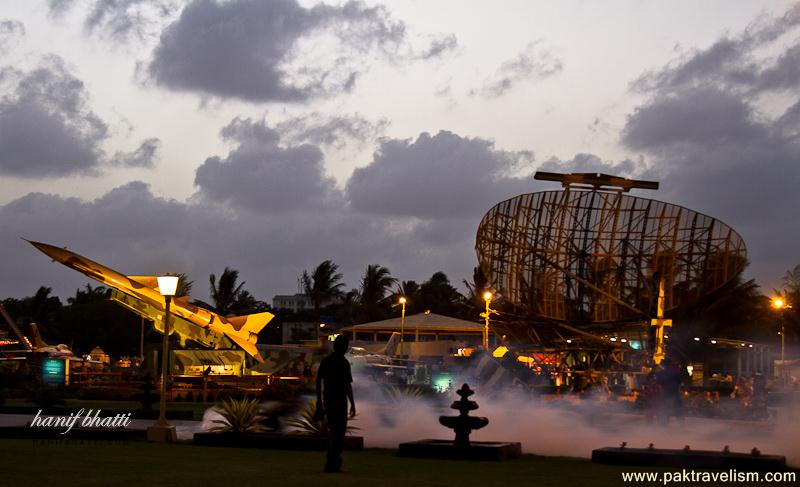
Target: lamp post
x=487, y=296
x=402, y=302
x=779, y=304
x=162, y=431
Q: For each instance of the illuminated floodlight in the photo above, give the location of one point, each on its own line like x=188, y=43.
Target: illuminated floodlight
x=697, y=339
x=713, y=342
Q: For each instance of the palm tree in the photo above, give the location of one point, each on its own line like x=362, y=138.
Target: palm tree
x=475, y=290
x=224, y=293
x=323, y=285
x=410, y=291
x=42, y=306
x=439, y=296
x=184, y=285
x=376, y=282
x=88, y=294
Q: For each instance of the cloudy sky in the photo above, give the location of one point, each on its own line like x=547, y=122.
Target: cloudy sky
x=190, y=135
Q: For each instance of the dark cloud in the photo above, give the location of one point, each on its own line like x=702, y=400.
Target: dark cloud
x=333, y=131
x=10, y=31
x=59, y=7
x=260, y=175
x=268, y=209
x=695, y=116
x=144, y=156
x=736, y=63
x=121, y=20
x=236, y=49
x=265, y=51
x=46, y=125
x=47, y=128
x=593, y=164
x=716, y=151
x=532, y=63
x=439, y=47
x=134, y=232
x=784, y=74
x=438, y=176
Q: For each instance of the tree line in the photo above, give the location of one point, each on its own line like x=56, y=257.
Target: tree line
x=89, y=319
x=739, y=309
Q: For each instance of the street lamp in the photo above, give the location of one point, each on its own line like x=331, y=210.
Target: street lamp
x=487, y=296
x=161, y=431
x=779, y=304
x=402, y=302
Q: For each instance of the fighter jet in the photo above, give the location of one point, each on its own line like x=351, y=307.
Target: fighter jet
x=384, y=356
x=39, y=345
x=32, y=342
x=141, y=295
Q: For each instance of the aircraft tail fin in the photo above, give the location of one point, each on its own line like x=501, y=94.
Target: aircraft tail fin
x=250, y=323
x=247, y=328
x=390, y=349
x=35, y=337
x=247, y=346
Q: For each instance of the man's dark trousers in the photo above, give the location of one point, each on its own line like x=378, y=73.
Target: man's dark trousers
x=337, y=426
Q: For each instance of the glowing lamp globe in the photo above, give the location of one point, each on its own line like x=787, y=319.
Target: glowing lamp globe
x=167, y=285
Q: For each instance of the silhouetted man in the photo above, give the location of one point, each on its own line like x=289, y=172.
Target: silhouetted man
x=670, y=379
x=334, y=389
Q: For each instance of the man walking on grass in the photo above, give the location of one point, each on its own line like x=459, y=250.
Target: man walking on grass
x=334, y=390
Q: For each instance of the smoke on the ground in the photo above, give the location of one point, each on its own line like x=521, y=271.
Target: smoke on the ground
x=566, y=427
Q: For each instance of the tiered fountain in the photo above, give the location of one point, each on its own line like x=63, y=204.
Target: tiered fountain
x=461, y=447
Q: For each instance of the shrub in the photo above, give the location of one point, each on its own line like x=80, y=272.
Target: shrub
x=239, y=416
x=308, y=423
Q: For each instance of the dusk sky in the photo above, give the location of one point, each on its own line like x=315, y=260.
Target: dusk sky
x=162, y=136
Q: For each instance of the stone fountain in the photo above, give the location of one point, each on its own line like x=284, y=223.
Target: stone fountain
x=461, y=447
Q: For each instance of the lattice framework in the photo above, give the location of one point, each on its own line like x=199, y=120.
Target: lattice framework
x=586, y=256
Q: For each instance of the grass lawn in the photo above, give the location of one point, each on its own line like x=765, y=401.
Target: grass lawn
x=43, y=464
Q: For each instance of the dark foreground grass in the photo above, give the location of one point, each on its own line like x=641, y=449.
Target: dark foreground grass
x=63, y=464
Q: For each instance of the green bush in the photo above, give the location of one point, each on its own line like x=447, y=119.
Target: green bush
x=308, y=423
x=238, y=416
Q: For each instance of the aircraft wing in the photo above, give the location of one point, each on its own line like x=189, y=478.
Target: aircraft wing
x=149, y=281
x=184, y=328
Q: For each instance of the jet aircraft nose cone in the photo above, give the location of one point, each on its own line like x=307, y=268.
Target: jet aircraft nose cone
x=51, y=251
